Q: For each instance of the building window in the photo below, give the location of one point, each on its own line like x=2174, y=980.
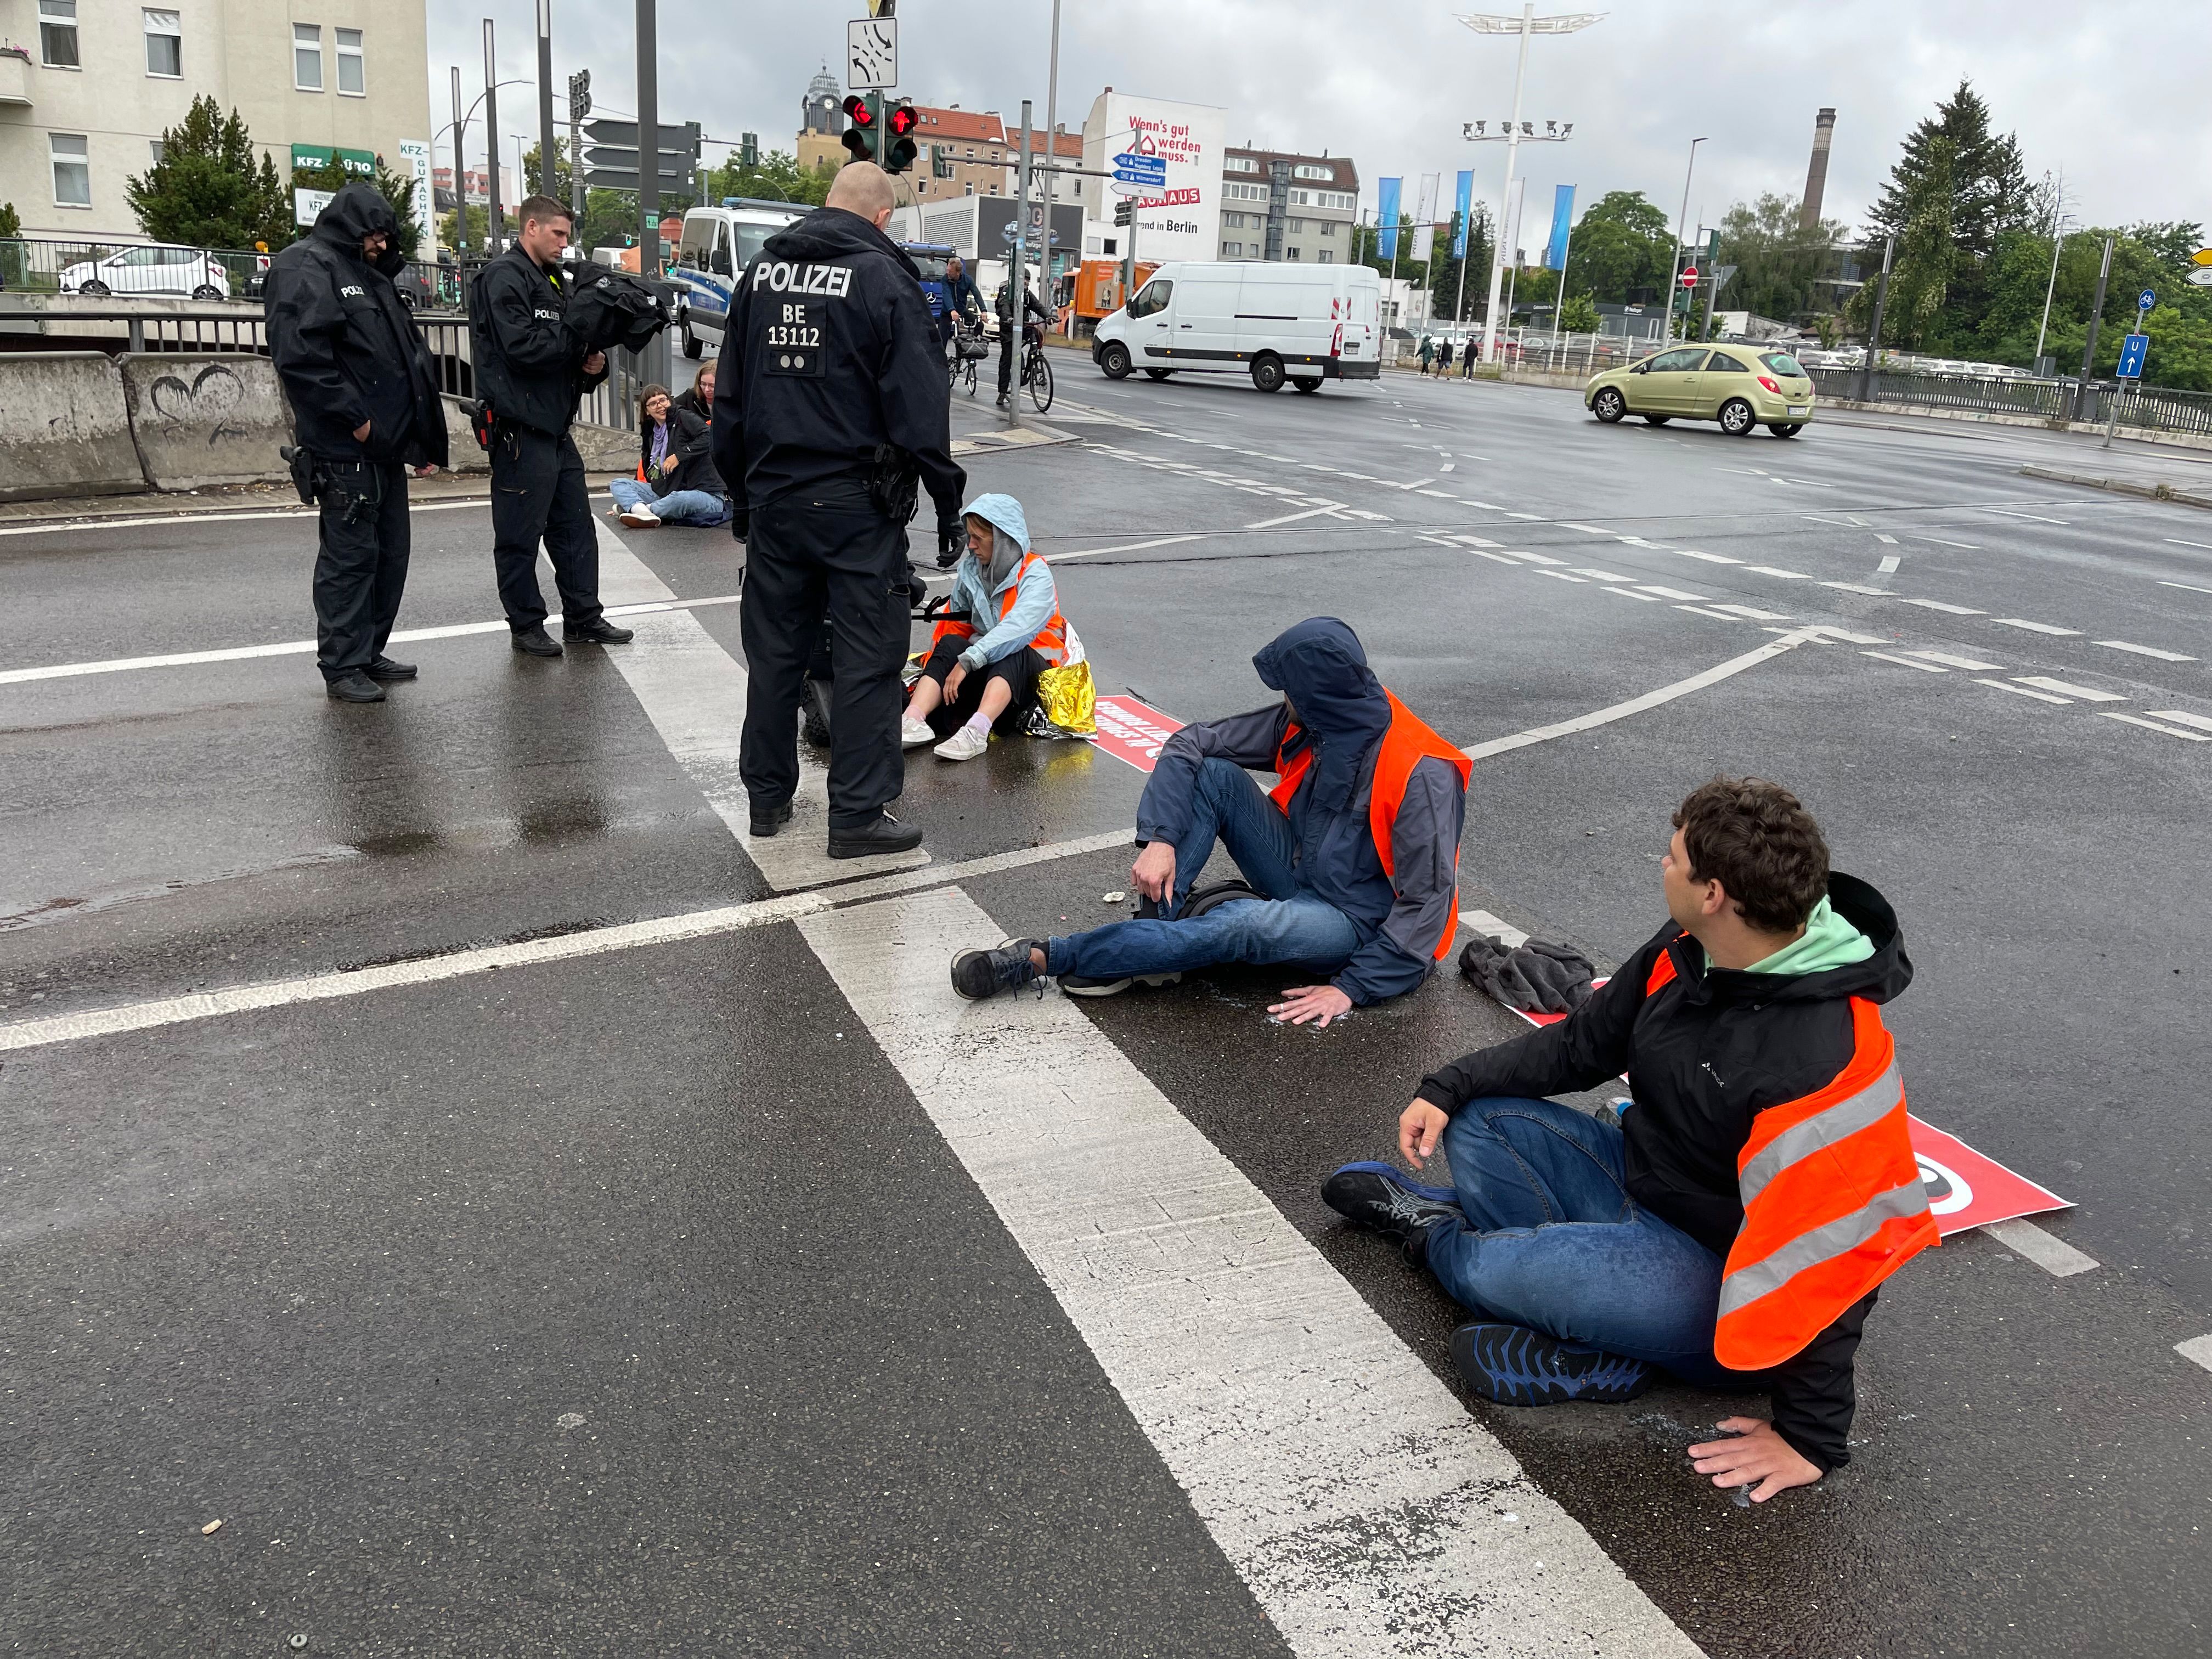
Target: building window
x=154, y=145
x=1290, y=253
x=1310, y=170
x=165, y=45
x=353, y=68
x=72, y=170
x=307, y=56
x=1324, y=257
x=1328, y=227
x=58, y=33
x=1233, y=250
x=1294, y=224
x=1239, y=164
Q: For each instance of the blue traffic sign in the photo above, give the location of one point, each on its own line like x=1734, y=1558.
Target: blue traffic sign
x=2133, y=351
x=2147, y=298
x=1132, y=168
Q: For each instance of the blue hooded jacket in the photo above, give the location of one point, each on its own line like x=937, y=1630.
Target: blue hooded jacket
x=1320, y=667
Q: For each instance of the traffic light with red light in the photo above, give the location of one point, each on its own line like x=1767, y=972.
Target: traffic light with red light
x=901, y=121
x=861, y=132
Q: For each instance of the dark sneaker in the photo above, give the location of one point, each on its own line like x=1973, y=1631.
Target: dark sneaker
x=814, y=715
x=1377, y=1197
x=1082, y=985
x=598, y=631
x=766, y=820
x=980, y=974
x=385, y=669
x=1517, y=1366
x=886, y=835
x=355, y=686
x=537, y=642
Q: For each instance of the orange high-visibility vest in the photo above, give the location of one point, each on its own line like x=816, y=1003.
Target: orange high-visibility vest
x=1051, y=642
x=1832, y=1201
x=1407, y=741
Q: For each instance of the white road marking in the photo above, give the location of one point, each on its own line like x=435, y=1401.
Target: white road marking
x=1440, y=495
x=2068, y=688
x=1415, y=484
x=1886, y=541
x=1473, y=541
x=2143, y=650
x=1777, y=570
x=2048, y=1251
x=1844, y=634
x=1479, y=553
x=1817, y=518
x=1908, y=662
x=1948, y=610
x=1347, y=1485
x=1950, y=661
x=1922, y=535
x=1448, y=466
x=1536, y=558
x=1504, y=932
x=2022, y=691
x=1639, y=541
x=2033, y=627
x=1888, y=566
x=1631, y=593
x=2153, y=725
x=1709, y=558
x=2010, y=513
x=2192, y=586
x=1667, y=593
x=1292, y=518
x=1559, y=575
x=2185, y=718
x=563, y=947
x=1524, y=515
x=1718, y=615
x=2178, y=542
x=1637, y=705
x=1599, y=575
x=176, y=519
x=1752, y=611
x=1590, y=529
x=1860, y=587
x=2198, y=1349
x=1125, y=547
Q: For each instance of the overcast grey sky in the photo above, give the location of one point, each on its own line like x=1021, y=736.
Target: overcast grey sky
x=1390, y=81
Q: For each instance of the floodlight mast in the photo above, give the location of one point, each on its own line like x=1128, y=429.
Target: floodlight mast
x=1526, y=24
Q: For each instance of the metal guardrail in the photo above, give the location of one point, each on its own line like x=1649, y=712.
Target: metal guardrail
x=35, y=264
x=2140, y=408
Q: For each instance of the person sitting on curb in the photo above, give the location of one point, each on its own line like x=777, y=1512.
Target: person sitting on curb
x=1732, y=1225
x=1350, y=864
x=972, y=683
x=676, y=483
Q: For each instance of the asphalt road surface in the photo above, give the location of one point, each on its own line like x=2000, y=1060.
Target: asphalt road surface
x=533, y=1220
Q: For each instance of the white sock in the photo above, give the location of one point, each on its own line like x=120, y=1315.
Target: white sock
x=979, y=724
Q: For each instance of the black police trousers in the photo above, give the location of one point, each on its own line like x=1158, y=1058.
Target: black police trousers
x=825, y=549
x=538, y=493
x=361, y=566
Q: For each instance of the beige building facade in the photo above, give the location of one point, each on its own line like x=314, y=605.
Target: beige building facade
x=86, y=87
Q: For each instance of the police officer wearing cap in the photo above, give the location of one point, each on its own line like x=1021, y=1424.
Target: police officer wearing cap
x=829, y=413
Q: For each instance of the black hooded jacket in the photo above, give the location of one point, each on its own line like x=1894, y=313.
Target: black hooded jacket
x=1704, y=1055
x=829, y=352
x=529, y=362
x=345, y=348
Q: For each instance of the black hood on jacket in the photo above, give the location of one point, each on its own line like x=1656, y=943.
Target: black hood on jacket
x=1881, y=978
x=1320, y=666
x=834, y=233
x=357, y=210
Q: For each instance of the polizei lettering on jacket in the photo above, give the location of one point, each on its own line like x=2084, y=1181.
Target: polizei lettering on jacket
x=783, y=277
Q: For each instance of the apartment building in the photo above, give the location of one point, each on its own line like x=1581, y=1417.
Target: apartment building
x=88, y=87
x=1276, y=205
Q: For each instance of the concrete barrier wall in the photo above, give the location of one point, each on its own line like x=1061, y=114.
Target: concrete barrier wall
x=206, y=419
x=64, y=429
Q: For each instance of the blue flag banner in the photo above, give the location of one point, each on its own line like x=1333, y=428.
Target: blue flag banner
x=1462, y=202
x=1386, y=215
x=1563, y=219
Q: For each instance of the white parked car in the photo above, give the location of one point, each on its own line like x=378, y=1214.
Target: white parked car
x=1274, y=321
x=186, y=272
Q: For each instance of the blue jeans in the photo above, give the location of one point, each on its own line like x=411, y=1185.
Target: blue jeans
x=680, y=506
x=1553, y=1242
x=1290, y=924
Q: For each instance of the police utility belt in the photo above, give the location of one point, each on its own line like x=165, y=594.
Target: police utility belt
x=311, y=476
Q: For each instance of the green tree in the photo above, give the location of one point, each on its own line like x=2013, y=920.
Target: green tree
x=209, y=189
x=1987, y=179
x=1622, y=249
x=1578, y=314
x=775, y=177
x=397, y=190
x=11, y=222
x=1780, y=266
x=1929, y=256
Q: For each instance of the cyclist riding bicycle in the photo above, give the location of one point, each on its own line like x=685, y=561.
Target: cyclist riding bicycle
x=1031, y=306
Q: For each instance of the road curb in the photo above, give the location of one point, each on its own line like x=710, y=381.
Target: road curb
x=1028, y=436
x=2156, y=492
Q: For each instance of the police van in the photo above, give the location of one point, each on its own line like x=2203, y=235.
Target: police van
x=718, y=243
x=1273, y=320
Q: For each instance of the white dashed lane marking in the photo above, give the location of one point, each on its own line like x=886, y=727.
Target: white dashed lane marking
x=2022, y=691
x=2068, y=688
x=2153, y=725
x=2034, y=627
x=2144, y=651
x=1908, y=662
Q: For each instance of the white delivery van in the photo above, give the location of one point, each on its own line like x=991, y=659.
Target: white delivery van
x=1274, y=321
x=717, y=244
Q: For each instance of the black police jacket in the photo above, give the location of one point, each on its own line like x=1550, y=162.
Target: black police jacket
x=828, y=353
x=1717, y=1047
x=345, y=348
x=529, y=362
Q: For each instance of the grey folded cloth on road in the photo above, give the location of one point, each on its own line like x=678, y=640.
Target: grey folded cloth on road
x=1537, y=977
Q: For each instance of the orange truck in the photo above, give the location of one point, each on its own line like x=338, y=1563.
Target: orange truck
x=1098, y=288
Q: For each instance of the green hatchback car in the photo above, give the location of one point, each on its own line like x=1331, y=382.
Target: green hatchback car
x=1740, y=387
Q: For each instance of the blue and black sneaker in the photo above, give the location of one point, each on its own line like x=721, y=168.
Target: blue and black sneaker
x=1379, y=1198
x=1517, y=1366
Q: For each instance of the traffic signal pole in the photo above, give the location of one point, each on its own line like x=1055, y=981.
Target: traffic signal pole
x=1017, y=284
x=648, y=139
x=548, y=176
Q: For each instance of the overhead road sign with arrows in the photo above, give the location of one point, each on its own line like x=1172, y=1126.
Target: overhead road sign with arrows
x=611, y=155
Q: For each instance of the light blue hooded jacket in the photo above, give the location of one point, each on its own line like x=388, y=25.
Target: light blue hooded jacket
x=977, y=593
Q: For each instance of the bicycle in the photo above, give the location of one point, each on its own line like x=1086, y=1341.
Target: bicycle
x=1036, y=369
x=967, y=347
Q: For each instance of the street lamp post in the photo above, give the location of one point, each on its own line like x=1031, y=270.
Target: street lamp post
x=1526, y=24
x=492, y=224
x=1674, y=265
x=548, y=183
x=461, y=181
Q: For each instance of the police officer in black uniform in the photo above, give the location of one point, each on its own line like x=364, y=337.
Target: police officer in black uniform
x=532, y=370
x=364, y=406
x=829, y=410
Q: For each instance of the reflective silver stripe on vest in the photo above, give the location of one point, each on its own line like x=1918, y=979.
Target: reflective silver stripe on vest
x=1824, y=1129
x=1846, y=1233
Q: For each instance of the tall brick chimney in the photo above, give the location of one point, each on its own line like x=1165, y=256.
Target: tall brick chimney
x=1816, y=175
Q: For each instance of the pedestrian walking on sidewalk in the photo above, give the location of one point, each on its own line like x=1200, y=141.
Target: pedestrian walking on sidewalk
x=364, y=406
x=830, y=417
x=532, y=370
x=1443, y=360
x=1428, y=353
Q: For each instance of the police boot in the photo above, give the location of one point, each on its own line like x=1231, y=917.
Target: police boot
x=886, y=835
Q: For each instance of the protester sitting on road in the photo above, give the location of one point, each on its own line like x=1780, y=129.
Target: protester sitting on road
x=676, y=483
x=699, y=399
x=1350, y=866
x=1732, y=1225
x=975, y=682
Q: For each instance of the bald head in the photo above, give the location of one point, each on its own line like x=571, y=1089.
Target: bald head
x=864, y=188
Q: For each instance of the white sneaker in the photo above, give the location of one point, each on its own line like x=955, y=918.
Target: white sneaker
x=640, y=517
x=965, y=744
x=915, y=733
